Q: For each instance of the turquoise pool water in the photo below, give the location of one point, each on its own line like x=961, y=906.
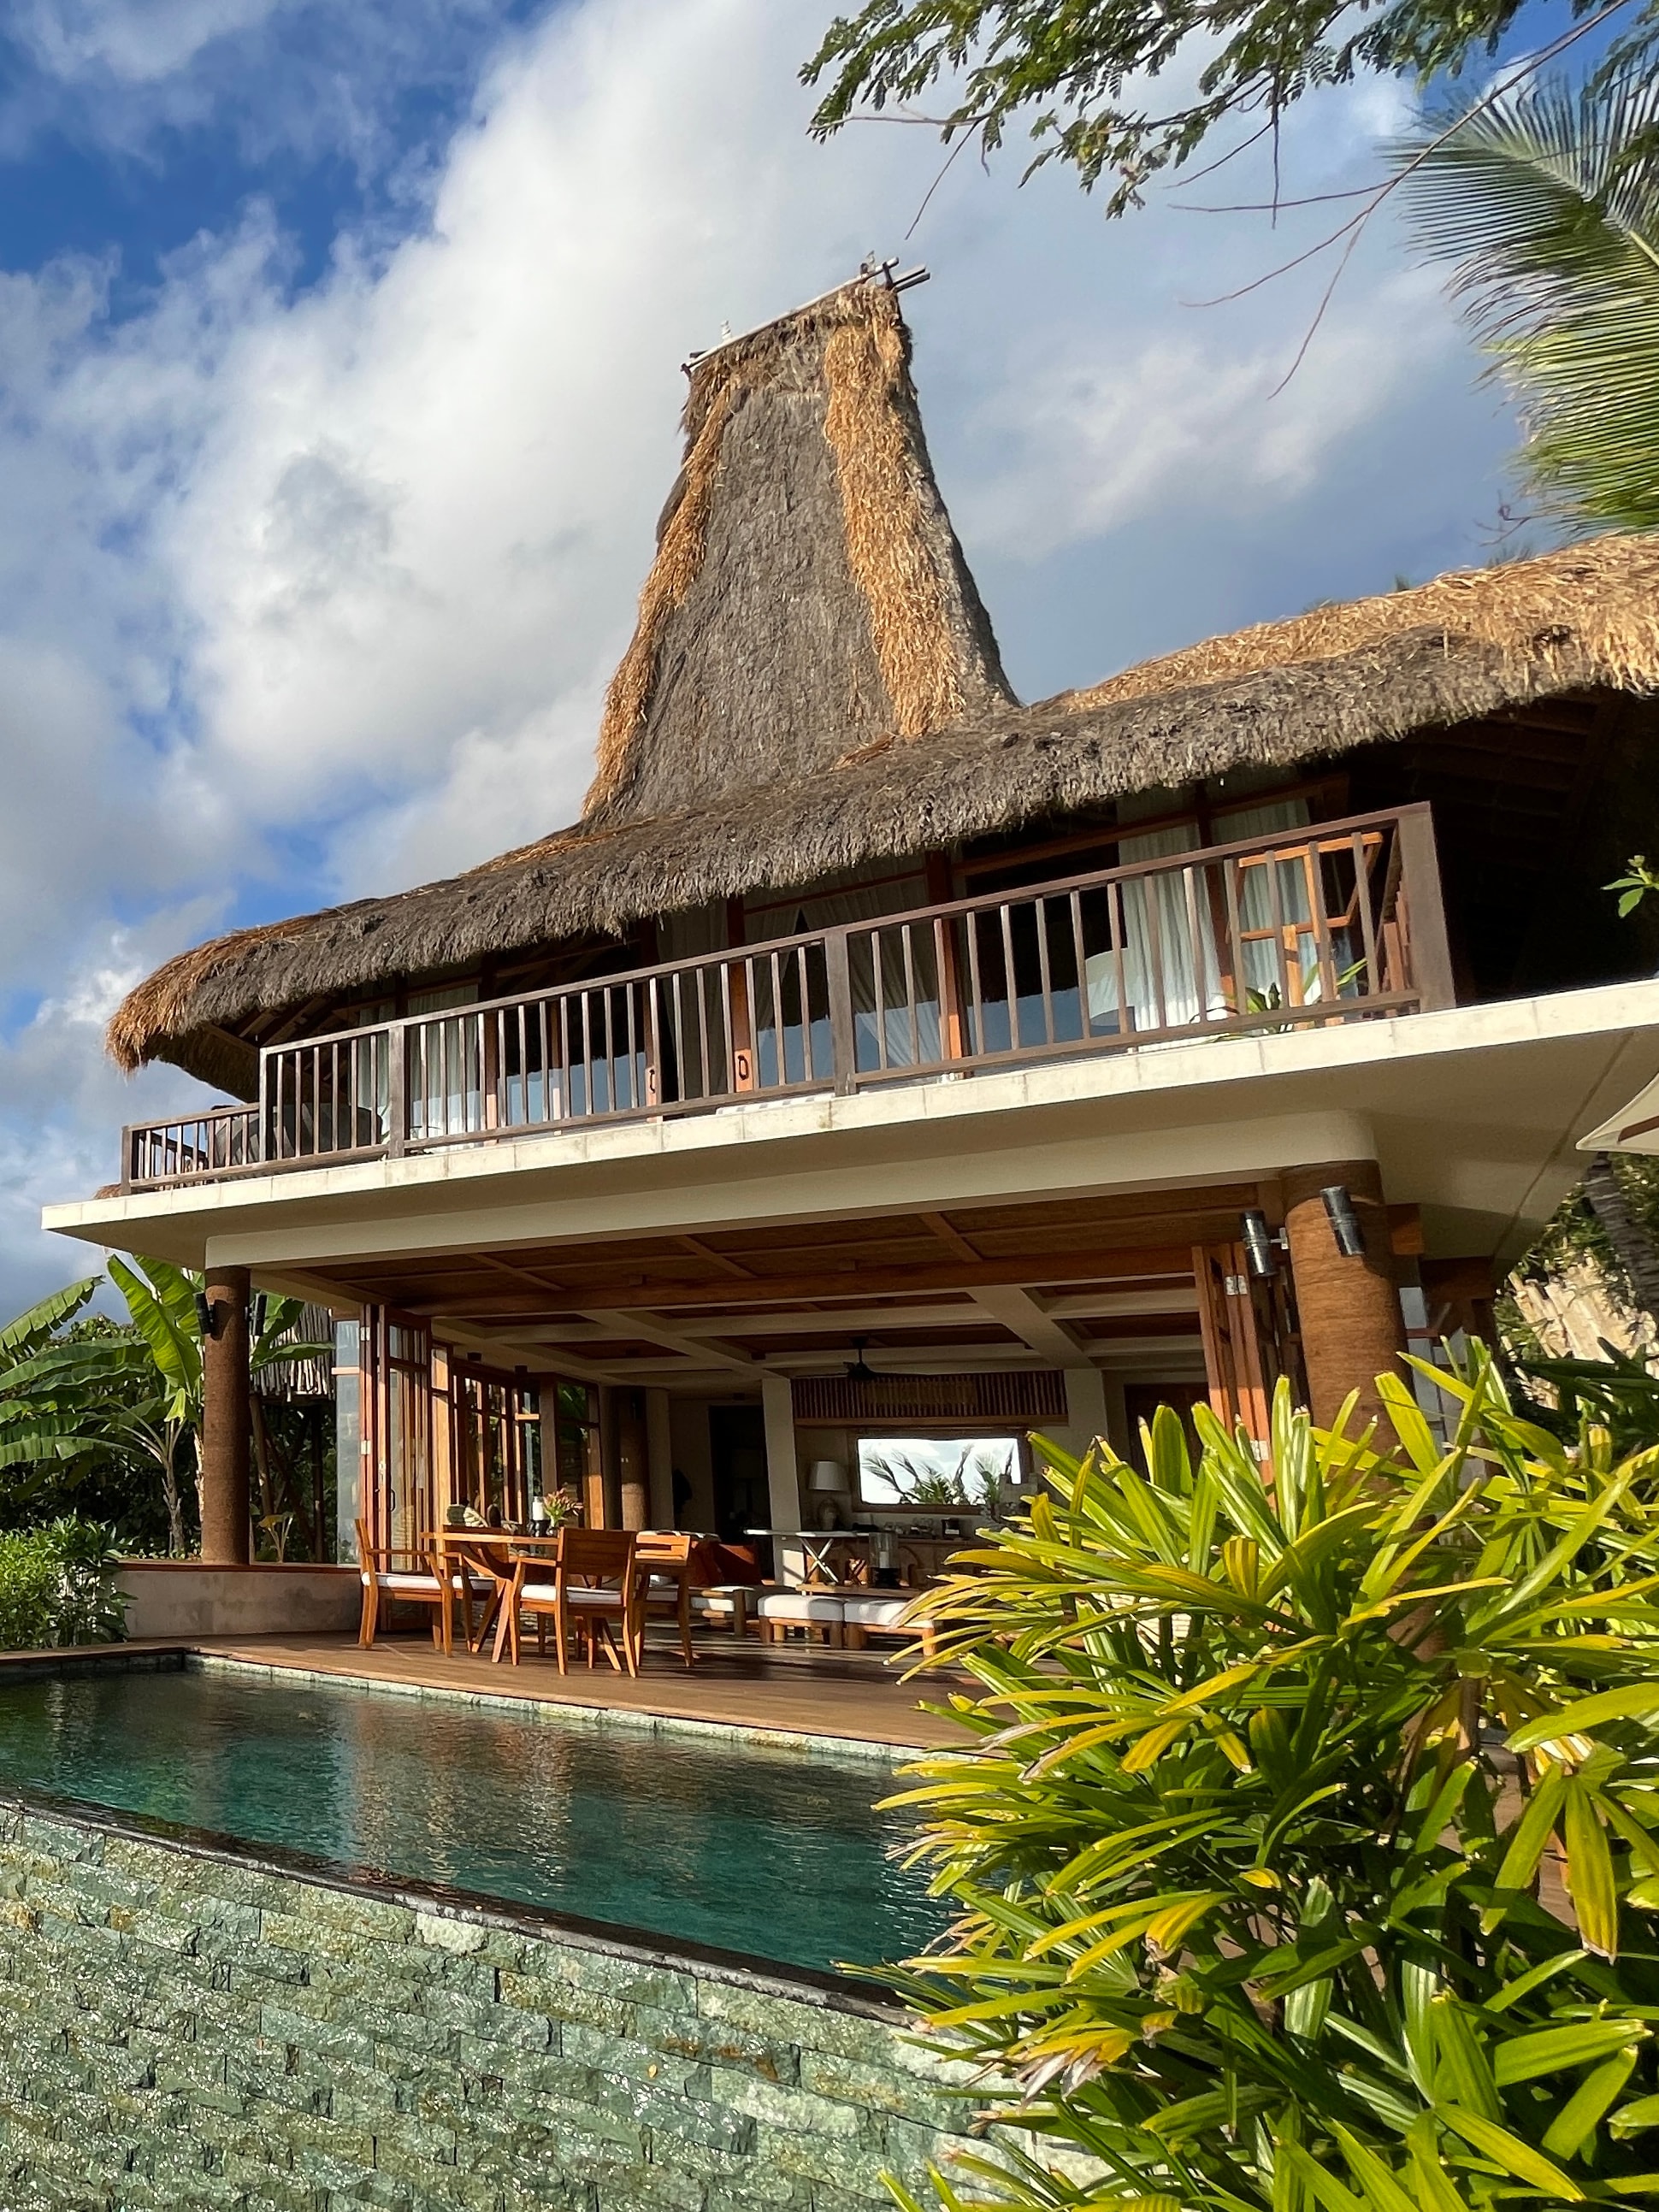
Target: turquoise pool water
x=764, y=1851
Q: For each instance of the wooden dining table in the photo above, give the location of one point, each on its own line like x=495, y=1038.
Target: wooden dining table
x=461, y=1556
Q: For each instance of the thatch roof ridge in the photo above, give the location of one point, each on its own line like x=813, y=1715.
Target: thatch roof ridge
x=1608, y=586
x=1595, y=627
x=807, y=584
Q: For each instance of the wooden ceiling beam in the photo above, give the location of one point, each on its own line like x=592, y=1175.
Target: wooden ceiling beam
x=1017, y=1310
x=1028, y=1269
x=707, y=1253
x=699, y=1352
x=951, y=1238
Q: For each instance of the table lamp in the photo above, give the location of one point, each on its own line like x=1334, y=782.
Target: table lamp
x=827, y=1481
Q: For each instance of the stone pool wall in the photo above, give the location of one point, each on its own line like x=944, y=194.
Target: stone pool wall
x=181, y=2027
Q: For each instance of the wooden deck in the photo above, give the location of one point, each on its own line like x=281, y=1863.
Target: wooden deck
x=856, y=1695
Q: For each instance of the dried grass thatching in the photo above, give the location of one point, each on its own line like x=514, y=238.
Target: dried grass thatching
x=1603, y=595
x=1321, y=685
x=808, y=588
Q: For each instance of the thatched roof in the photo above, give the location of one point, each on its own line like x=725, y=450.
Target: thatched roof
x=1325, y=684
x=808, y=590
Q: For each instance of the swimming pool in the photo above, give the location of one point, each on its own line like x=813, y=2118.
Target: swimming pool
x=770, y=1852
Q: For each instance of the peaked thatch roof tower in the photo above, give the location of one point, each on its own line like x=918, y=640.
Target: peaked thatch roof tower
x=808, y=592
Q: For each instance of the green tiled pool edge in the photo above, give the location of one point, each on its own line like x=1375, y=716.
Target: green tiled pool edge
x=186, y=2023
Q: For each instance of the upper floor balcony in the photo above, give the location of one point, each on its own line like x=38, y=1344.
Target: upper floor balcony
x=1339, y=922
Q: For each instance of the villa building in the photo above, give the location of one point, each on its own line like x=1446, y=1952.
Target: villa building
x=879, y=1057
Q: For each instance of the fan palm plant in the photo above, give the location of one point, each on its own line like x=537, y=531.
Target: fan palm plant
x=1307, y=1843
x=1548, y=203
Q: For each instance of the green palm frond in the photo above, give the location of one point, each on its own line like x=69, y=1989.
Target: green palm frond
x=162, y=1303
x=22, y=1338
x=1548, y=205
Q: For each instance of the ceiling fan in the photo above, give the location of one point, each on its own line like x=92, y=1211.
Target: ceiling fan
x=859, y=1370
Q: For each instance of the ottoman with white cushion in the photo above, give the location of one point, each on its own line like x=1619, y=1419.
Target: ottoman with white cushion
x=736, y=1602
x=872, y=1615
x=779, y=1611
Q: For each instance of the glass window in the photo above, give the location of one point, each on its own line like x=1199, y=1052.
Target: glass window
x=945, y=1473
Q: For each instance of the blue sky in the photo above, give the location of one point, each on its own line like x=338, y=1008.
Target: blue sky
x=338, y=385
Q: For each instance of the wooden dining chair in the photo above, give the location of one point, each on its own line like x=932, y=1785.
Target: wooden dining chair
x=401, y=1578
x=595, y=1583
x=479, y=1567
x=663, y=1562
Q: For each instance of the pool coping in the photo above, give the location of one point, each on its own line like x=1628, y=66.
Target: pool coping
x=610, y=1939
x=870, y=1750
x=880, y=1750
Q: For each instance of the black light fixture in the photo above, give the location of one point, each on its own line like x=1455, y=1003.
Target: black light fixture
x=207, y=1316
x=258, y=1315
x=859, y=1370
x=1263, y=1245
x=1345, y=1222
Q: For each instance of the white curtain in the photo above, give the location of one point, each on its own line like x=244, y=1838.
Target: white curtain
x=1169, y=928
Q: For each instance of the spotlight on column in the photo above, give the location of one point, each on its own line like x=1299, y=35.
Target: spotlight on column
x=1260, y=1249
x=207, y=1316
x=1345, y=1222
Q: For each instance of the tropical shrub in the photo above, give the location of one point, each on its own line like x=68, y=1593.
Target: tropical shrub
x=1305, y=1846
x=58, y=1587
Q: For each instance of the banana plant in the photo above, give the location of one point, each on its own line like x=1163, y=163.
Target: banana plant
x=137, y=1392
x=41, y=1401
x=1305, y=1839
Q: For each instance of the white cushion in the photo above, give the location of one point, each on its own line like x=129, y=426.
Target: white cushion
x=802, y=1606
x=875, y=1612
x=425, y=1585
x=577, y=1600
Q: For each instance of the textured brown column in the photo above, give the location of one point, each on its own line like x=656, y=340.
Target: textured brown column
x=225, y=1422
x=1353, y=1329
x=633, y=1461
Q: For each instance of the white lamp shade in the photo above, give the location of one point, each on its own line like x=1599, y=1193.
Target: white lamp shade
x=828, y=1474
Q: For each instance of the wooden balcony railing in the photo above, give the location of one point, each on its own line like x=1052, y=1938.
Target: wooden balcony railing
x=1340, y=922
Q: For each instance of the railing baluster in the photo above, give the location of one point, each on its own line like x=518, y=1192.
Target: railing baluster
x=1075, y=903
x=1362, y=899
x=1009, y=981
x=1314, y=872
x=910, y=995
x=1287, y=995
x=729, y=1064
x=843, y=1029
x=1237, y=949
x=1114, y=923
x=1200, y=971
x=976, y=1043
x=1045, y=981
x=1149, y=903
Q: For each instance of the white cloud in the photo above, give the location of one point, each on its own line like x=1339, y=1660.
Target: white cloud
x=410, y=546
x=133, y=39
x=343, y=576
